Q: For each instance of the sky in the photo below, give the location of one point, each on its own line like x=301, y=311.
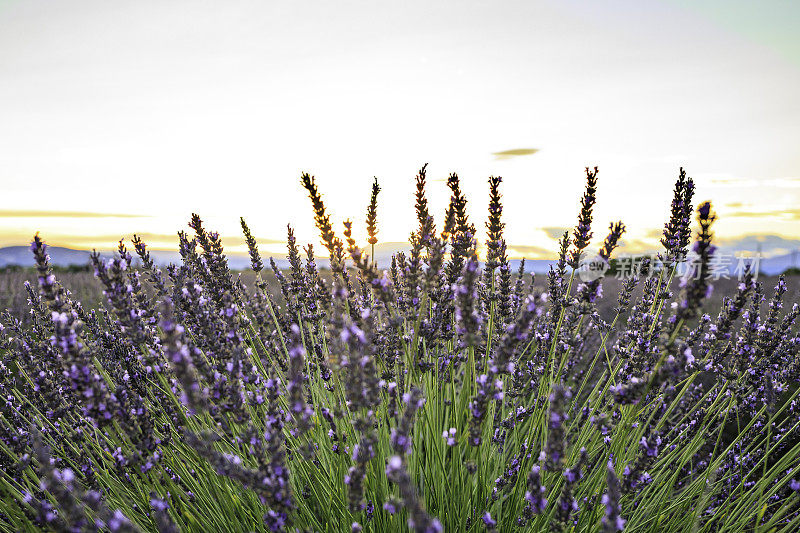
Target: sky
x=126, y=117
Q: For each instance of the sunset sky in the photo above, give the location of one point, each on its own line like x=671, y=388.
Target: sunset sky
x=123, y=117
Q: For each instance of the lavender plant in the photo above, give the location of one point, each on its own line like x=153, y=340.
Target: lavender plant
x=443, y=394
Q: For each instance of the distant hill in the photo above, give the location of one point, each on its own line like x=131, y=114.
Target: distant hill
x=22, y=256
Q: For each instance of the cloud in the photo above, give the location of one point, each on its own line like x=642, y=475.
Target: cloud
x=155, y=241
x=739, y=182
x=516, y=152
x=89, y=239
x=555, y=232
x=638, y=246
x=527, y=250
x=768, y=245
x=654, y=233
x=31, y=213
x=791, y=214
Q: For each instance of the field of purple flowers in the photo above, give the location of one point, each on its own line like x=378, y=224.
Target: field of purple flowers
x=445, y=394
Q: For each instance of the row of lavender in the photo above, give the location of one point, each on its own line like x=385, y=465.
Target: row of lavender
x=435, y=396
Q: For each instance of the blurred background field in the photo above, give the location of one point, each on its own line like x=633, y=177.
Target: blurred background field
x=80, y=281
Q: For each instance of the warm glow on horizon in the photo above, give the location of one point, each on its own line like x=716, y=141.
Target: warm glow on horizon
x=123, y=118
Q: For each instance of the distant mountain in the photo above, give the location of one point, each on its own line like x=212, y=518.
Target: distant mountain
x=22, y=256
x=772, y=266
x=536, y=266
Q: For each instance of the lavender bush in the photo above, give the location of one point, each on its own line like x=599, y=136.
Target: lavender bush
x=444, y=394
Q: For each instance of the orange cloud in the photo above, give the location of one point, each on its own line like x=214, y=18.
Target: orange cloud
x=516, y=152
x=792, y=214
x=525, y=250
x=30, y=213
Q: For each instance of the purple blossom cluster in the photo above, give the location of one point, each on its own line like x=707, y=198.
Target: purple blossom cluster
x=445, y=393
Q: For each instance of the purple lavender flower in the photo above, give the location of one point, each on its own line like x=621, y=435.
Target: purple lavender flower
x=554, y=449
x=489, y=522
x=449, y=436
x=301, y=411
x=612, y=521
x=535, y=501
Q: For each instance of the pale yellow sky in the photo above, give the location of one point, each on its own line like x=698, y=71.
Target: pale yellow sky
x=161, y=109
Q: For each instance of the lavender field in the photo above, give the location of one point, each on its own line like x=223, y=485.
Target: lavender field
x=85, y=288
x=446, y=393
